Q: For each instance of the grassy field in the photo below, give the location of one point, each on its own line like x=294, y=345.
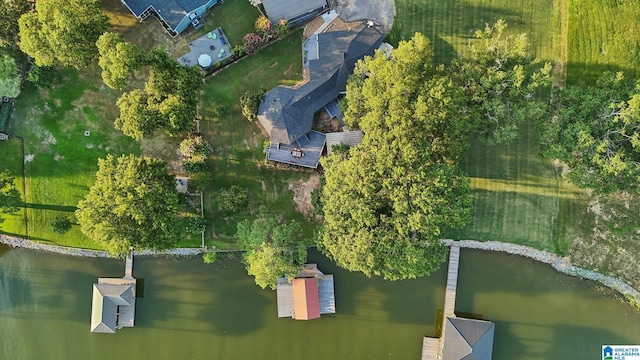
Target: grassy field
x=603, y=35
x=11, y=158
x=238, y=144
x=450, y=24
x=517, y=196
x=59, y=159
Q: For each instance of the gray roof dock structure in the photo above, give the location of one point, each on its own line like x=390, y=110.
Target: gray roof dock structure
x=286, y=296
x=286, y=113
x=175, y=15
x=461, y=338
x=296, y=12
x=114, y=302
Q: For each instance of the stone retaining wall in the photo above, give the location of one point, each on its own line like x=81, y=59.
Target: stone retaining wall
x=561, y=264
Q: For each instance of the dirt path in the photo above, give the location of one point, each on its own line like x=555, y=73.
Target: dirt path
x=302, y=193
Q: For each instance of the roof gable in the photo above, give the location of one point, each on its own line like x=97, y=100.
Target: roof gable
x=287, y=113
x=468, y=339
x=306, y=299
x=104, y=310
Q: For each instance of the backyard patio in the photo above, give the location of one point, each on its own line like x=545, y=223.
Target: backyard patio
x=207, y=50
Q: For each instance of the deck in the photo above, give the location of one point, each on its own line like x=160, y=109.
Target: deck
x=303, y=153
x=430, y=348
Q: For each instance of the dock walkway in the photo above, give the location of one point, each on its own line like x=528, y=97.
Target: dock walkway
x=432, y=347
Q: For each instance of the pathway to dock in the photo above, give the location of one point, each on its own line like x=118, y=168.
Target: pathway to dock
x=432, y=347
x=128, y=267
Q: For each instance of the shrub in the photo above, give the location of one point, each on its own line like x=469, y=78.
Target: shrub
x=252, y=43
x=194, y=146
x=250, y=102
x=192, y=166
x=237, y=51
x=201, y=180
x=234, y=199
x=210, y=257
x=263, y=26
x=41, y=76
x=61, y=224
x=282, y=28
x=196, y=225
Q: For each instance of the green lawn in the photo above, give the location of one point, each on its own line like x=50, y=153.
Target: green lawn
x=59, y=159
x=603, y=35
x=518, y=197
x=11, y=158
x=449, y=24
x=238, y=144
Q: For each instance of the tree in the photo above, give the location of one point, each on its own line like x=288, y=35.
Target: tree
x=501, y=81
x=10, y=12
x=62, y=32
x=272, y=248
x=118, y=59
x=133, y=202
x=595, y=130
x=168, y=101
x=10, y=77
x=387, y=200
x=10, y=200
x=250, y=102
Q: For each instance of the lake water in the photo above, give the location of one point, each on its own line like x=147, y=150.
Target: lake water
x=195, y=311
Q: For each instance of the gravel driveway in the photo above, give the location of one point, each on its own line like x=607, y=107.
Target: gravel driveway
x=380, y=11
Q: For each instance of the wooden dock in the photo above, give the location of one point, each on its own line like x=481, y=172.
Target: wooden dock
x=452, y=282
x=432, y=347
x=128, y=267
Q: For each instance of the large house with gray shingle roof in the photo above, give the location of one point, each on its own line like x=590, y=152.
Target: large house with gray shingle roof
x=175, y=15
x=286, y=113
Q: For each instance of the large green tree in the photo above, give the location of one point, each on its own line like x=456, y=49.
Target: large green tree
x=10, y=12
x=62, y=32
x=387, y=200
x=10, y=77
x=118, y=59
x=502, y=82
x=168, y=101
x=595, y=130
x=9, y=195
x=133, y=202
x=272, y=248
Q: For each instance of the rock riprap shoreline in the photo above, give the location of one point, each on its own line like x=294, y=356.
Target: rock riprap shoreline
x=28, y=244
x=561, y=264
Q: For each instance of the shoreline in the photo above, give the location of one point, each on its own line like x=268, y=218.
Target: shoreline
x=560, y=264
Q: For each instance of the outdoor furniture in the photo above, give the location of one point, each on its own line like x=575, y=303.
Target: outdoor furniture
x=297, y=153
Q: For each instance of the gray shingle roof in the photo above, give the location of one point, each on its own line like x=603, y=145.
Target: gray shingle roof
x=106, y=299
x=286, y=113
x=468, y=339
x=171, y=11
x=289, y=9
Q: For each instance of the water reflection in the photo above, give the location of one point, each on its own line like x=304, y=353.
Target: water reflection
x=195, y=311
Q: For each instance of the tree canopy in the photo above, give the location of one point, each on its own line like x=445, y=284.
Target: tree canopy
x=595, y=130
x=133, y=202
x=118, y=59
x=387, y=200
x=272, y=248
x=501, y=81
x=168, y=101
x=62, y=32
x=10, y=77
x=10, y=12
x=9, y=195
